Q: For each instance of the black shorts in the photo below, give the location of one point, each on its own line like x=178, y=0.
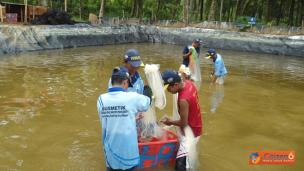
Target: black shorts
x=180, y=164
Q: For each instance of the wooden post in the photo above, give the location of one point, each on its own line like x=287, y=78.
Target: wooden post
x=21, y=16
x=25, y=11
x=1, y=15
x=65, y=5
x=34, y=10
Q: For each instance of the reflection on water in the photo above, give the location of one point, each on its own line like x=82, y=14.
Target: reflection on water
x=216, y=97
x=49, y=121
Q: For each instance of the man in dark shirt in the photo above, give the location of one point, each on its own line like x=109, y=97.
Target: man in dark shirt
x=186, y=52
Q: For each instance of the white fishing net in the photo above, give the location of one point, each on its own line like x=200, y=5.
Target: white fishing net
x=188, y=140
x=194, y=65
x=175, y=114
x=155, y=82
x=148, y=126
x=190, y=147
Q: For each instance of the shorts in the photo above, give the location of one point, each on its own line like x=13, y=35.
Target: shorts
x=183, y=161
x=180, y=164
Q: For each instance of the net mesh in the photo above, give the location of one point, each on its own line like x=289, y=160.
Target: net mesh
x=188, y=137
x=194, y=65
x=148, y=126
x=155, y=81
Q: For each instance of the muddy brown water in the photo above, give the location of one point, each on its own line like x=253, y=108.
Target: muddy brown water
x=48, y=117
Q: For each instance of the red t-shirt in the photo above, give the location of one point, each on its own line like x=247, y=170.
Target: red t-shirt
x=189, y=93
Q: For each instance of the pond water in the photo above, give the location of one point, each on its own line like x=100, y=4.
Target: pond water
x=49, y=121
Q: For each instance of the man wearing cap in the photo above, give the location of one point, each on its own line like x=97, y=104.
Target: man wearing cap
x=189, y=112
x=118, y=110
x=196, y=43
x=132, y=62
x=220, y=71
x=191, y=59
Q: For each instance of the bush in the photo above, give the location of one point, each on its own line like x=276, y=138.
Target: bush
x=242, y=20
x=53, y=17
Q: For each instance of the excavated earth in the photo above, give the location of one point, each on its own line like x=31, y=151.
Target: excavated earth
x=14, y=39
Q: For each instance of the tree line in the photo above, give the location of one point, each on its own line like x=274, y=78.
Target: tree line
x=270, y=12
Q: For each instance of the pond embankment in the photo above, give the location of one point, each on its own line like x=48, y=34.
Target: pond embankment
x=31, y=38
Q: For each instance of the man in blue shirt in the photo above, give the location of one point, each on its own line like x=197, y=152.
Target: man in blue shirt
x=132, y=62
x=118, y=110
x=219, y=67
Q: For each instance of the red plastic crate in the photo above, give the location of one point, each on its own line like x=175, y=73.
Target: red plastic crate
x=158, y=152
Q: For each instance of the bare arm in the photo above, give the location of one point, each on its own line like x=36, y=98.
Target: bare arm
x=185, y=56
x=183, y=112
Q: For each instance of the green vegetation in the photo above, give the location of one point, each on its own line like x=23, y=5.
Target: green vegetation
x=267, y=12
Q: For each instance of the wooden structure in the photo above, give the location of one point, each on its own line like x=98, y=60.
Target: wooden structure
x=7, y=8
x=2, y=13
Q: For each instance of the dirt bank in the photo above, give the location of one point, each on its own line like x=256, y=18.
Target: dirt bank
x=30, y=38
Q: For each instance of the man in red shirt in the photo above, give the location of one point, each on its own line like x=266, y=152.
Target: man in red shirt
x=189, y=112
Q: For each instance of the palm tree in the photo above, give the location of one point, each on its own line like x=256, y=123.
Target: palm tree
x=212, y=11
x=101, y=11
x=186, y=12
x=236, y=9
x=65, y=5
x=25, y=11
x=221, y=10
x=291, y=13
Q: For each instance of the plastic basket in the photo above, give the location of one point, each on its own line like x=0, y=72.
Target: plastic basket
x=158, y=152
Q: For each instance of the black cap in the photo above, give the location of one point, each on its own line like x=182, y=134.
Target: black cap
x=170, y=77
x=199, y=41
x=121, y=73
x=132, y=57
x=211, y=51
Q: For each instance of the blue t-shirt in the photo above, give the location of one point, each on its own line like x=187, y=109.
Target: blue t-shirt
x=219, y=66
x=117, y=110
x=136, y=84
